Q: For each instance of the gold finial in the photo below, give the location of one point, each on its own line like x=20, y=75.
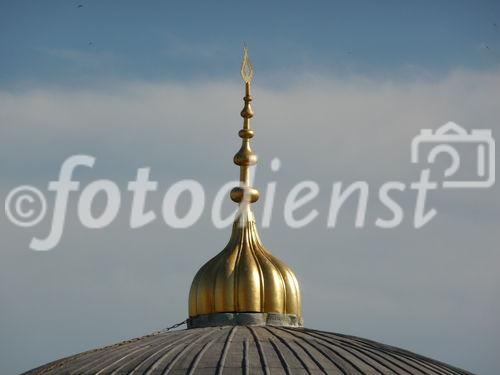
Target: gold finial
x=245, y=157
x=245, y=284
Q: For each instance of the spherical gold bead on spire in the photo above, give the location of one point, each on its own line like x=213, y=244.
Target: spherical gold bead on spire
x=245, y=278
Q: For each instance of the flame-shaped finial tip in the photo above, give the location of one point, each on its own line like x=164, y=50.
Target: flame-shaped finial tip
x=246, y=67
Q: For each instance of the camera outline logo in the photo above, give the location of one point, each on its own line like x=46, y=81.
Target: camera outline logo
x=444, y=138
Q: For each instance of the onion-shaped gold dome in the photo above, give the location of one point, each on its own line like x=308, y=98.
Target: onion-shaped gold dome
x=245, y=277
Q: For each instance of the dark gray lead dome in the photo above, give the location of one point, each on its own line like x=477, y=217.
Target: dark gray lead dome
x=247, y=350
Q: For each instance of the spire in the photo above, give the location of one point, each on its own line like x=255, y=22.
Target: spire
x=245, y=157
x=245, y=284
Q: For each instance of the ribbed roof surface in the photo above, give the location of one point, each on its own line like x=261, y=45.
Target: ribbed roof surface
x=247, y=350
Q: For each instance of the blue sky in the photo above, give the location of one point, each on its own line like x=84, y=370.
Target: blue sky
x=340, y=90
x=61, y=43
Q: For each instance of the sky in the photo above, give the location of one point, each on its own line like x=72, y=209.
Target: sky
x=340, y=90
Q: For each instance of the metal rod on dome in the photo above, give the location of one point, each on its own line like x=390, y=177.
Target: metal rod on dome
x=245, y=157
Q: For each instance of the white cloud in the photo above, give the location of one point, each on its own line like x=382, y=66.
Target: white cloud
x=322, y=128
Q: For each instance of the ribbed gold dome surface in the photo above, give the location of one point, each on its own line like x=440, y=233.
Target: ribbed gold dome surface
x=245, y=277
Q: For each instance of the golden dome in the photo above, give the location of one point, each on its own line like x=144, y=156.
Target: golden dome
x=245, y=277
